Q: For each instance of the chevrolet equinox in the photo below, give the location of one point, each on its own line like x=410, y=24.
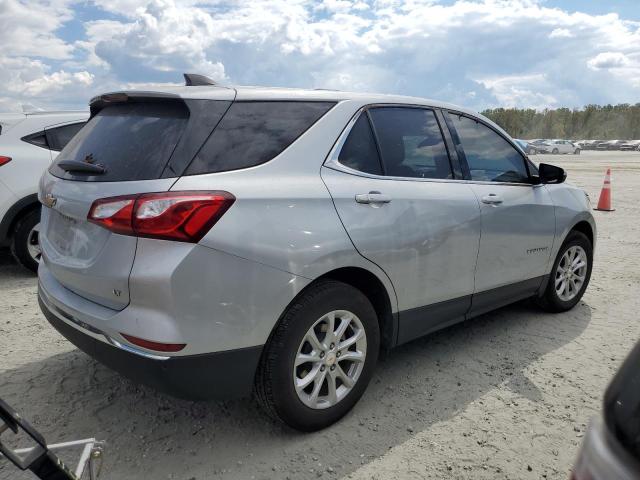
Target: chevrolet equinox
x=210, y=241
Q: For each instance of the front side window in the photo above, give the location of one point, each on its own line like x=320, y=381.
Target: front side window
x=411, y=143
x=489, y=156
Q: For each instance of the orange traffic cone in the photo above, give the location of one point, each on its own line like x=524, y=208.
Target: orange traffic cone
x=604, y=203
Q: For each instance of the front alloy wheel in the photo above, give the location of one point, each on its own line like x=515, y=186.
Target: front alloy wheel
x=571, y=273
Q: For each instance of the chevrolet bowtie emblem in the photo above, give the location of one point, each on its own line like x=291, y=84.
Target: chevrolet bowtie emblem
x=50, y=200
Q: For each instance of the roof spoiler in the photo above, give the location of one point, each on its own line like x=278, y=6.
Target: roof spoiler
x=197, y=80
x=97, y=103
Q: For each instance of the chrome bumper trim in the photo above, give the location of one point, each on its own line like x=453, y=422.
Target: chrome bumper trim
x=91, y=330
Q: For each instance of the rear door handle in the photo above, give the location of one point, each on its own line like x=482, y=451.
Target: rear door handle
x=372, y=198
x=492, y=199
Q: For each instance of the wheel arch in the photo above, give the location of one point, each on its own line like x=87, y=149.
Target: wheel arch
x=15, y=213
x=372, y=287
x=584, y=227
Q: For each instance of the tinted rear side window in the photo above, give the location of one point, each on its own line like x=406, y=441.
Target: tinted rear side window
x=38, y=139
x=133, y=141
x=252, y=133
x=359, y=150
x=411, y=143
x=58, y=137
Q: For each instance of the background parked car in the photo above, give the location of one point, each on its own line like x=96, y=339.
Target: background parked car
x=589, y=144
x=558, y=146
x=611, y=447
x=28, y=144
x=630, y=145
x=610, y=145
x=529, y=148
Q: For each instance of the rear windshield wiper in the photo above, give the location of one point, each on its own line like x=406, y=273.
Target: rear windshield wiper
x=84, y=167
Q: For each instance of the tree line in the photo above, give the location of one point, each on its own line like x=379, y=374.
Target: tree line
x=593, y=122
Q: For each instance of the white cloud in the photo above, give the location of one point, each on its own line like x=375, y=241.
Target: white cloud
x=560, y=33
x=55, y=82
x=29, y=28
x=477, y=52
x=28, y=81
x=606, y=60
x=521, y=90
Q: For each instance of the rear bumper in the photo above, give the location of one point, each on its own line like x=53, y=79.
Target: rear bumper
x=220, y=375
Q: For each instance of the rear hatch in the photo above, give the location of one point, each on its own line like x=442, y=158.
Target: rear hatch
x=134, y=143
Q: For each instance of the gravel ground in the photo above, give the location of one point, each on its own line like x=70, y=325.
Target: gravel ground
x=507, y=395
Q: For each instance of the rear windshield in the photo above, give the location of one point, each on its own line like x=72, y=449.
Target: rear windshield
x=252, y=133
x=133, y=141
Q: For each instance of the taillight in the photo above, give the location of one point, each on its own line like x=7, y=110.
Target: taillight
x=114, y=214
x=180, y=216
x=4, y=160
x=156, y=346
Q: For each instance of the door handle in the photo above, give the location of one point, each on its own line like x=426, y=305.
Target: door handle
x=492, y=199
x=372, y=198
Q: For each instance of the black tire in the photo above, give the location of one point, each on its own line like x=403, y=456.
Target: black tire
x=20, y=240
x=577, y=152
x=532, y=151
x=274, y=386
x=555, y=151
x=550, y=301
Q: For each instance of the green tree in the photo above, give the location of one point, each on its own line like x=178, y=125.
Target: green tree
x=607, y=122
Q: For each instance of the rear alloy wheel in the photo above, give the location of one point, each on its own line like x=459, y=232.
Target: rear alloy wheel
x=320, y=358
x=555, y=151
x=570, y=274
x=330, y=359
x=25, y=244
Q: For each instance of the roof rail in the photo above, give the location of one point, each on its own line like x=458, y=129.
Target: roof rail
x=195, y=80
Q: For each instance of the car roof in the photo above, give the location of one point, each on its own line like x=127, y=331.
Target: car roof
x=255, y=93
x=41, y=113
x=30, y=122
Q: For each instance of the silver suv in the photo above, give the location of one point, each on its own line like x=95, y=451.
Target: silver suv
x=208, y=241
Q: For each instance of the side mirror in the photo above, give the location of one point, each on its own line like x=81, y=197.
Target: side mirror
x=551, y=173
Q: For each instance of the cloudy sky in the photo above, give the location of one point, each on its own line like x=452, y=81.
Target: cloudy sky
x=479, y=53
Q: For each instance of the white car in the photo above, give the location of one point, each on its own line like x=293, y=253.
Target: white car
x=28, y=144
x=558, y=146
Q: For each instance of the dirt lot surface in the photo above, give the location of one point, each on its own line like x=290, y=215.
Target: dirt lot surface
x=507, y=395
